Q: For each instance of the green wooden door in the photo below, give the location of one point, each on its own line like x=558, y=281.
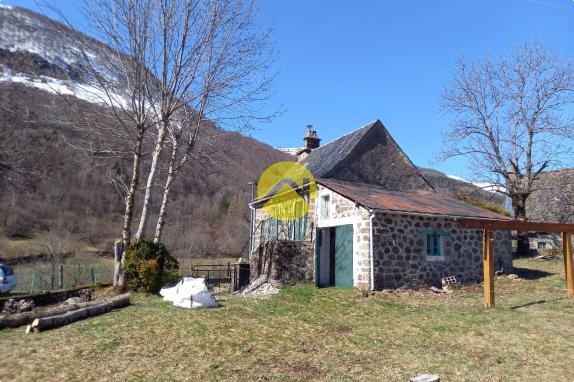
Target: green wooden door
x=344, y=256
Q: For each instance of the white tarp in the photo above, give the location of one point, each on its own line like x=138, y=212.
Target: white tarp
x=189, y=293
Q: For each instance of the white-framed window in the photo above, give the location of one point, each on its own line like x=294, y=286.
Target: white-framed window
x=325, y=206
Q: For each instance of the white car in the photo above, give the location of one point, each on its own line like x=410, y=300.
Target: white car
x=8, y=279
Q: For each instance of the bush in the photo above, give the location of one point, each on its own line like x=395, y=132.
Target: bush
x=149, y=266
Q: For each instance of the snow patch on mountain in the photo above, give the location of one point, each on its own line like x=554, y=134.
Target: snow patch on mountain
x=485, y=186
x=458, y=178
x=289, y=150
x=65, y=88
x=24, y=31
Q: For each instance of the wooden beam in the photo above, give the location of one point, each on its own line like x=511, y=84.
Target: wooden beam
x=568, y=262
x=514, y=225
x=488, y=268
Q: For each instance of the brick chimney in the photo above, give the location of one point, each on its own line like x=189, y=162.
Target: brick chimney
x=312, y=141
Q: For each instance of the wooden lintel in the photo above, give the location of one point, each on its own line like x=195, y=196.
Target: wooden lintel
x=568, y=262
x=488, y=268
x=513, y=225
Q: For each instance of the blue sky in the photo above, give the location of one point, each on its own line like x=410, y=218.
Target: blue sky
x=345, y=63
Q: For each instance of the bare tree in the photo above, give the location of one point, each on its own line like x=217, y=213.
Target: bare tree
x=166, y=66
x=230, y=77
x=211, y=62
x=114, y=74
x=55, y=247
x=508, y=118
x=12, y=170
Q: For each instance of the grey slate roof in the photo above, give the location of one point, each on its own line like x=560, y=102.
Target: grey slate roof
x=325, y=158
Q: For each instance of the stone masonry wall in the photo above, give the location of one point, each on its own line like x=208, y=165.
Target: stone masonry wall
x=400, y=252
x=284, y=261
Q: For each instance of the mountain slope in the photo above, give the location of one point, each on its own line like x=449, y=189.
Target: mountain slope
x=69, y=191
x=450, y=185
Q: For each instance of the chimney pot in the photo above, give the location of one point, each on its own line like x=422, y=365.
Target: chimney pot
x=312, y=141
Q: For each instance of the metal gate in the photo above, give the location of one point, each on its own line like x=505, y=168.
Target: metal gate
x=222, y=277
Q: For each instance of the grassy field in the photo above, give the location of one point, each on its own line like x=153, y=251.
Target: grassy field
x=305, y=333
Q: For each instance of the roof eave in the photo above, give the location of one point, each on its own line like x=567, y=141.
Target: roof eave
x=412, y=213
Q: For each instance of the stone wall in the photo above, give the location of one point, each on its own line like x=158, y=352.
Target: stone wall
x=284, y=261
x=400, y=257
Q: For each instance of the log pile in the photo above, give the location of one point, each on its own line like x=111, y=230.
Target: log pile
x=91, y=310
x=25, y=318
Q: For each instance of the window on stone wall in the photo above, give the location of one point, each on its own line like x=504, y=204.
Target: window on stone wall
x=325, y=206
x=434, y=245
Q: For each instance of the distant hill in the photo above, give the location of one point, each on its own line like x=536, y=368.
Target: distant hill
x=208, y=215
x=449, y=185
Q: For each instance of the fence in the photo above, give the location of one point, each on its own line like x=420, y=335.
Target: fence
x=40, y=276
x=220, y=274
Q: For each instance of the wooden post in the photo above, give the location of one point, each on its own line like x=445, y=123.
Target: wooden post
x=568, y=262
x=488, y=268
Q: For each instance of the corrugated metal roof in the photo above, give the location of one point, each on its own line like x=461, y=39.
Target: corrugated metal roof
x=377, y=198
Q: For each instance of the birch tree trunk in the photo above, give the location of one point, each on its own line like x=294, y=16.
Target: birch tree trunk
x=167, y=188
x=119, y=276
x=144, y=218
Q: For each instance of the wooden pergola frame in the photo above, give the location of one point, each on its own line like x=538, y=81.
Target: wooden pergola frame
x=488, y=226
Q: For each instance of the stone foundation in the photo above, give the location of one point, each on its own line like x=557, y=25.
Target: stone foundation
x=287, y=262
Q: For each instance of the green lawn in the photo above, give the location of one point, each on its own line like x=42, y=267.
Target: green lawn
x=317, y=334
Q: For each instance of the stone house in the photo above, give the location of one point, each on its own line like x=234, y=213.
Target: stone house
x=552, y=200
x=375, y=223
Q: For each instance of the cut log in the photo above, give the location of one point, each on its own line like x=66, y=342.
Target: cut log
x=25, y=318
x=51, y=322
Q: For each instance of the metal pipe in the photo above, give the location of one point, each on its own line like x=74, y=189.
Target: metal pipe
x=371, y=255
x=251, y=220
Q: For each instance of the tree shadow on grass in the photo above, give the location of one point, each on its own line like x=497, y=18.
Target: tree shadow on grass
x=530, y=274
x=537, y=303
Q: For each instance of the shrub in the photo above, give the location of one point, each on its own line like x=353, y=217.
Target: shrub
x=149, y=266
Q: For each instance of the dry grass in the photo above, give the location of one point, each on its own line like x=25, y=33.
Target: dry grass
x=317, y=334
